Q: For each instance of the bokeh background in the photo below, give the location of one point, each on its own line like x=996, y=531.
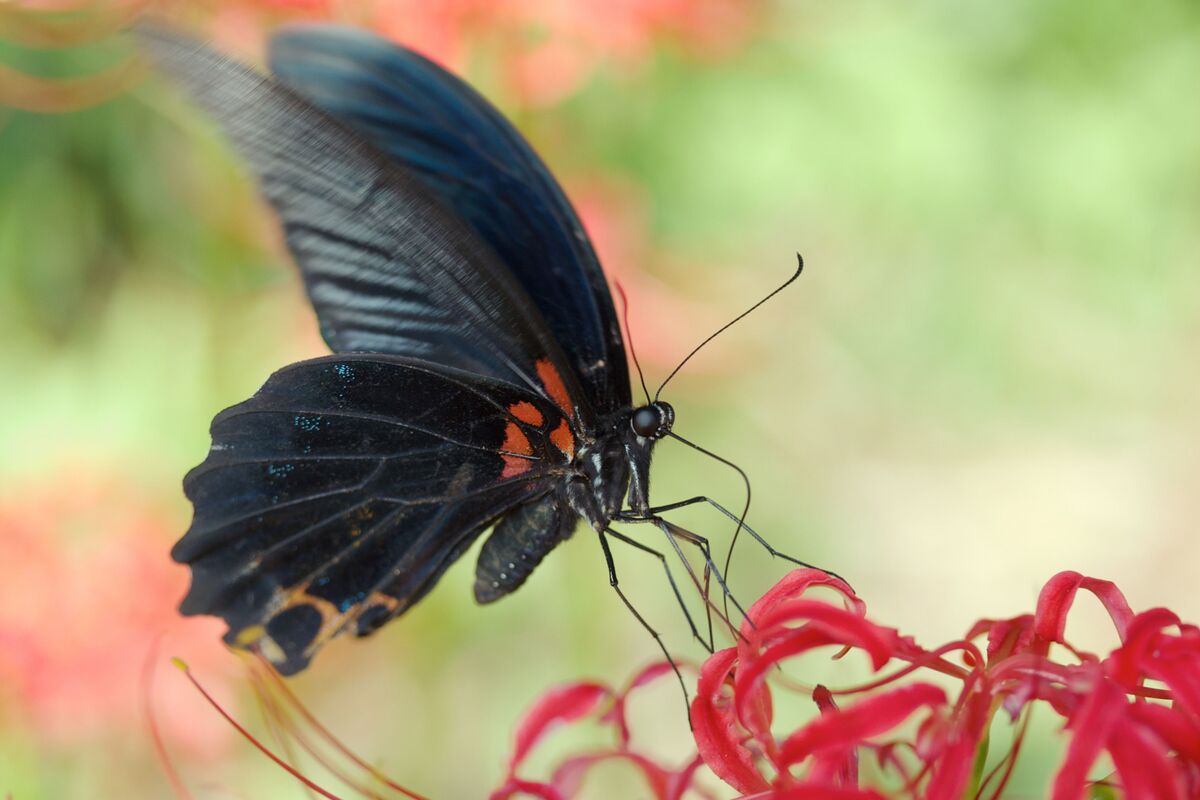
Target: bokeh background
x=988, y=372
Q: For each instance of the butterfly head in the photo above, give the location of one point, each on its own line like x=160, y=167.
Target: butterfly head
x=653, y=421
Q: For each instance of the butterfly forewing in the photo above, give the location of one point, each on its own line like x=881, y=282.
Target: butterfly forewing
x=458, y=145
x=388, y=267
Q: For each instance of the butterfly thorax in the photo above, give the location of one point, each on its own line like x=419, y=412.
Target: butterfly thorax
x=615, y=468
x=598, y=488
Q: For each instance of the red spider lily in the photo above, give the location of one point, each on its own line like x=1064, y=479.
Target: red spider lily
x=1152, y=735
x=925, y=741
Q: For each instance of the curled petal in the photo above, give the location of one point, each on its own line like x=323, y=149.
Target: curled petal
x=681, y=781
x=826, y=625
x=562, y=704
x=568, y=778
x=796, y=583
x=648, y=675
x=854, y=724
x=1006, y=637
x=1178, y=666
x=1054, y=603
x=841, y=626
x=718, y=736
x=1129, y=663
x=616, y=714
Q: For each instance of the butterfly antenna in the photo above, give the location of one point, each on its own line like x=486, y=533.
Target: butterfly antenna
x=741, y=520
x=738, y=318
x=629, y=338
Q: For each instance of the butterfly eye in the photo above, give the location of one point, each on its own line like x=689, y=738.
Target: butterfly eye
x=653, y=421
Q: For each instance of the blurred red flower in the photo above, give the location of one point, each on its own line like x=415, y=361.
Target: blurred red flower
x=1139, y=705
x=664, y=325
x=549, y=48
x=576, y=701
x=87, y=591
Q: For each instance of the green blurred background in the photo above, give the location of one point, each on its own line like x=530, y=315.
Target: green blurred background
x=987, y=373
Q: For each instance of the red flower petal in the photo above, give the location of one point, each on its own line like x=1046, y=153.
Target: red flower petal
x=854, y=724
x=1006, y=637
x=682, y=781
x=796, y=583
x=616, y=714
x=1129, y=663
x=1058, y=594
x=718, y=738
x=841, y=770
x=841, y=626
x=568, y=778
x=649, y=675
x=1141, y=760
x=516, y=786
x=817, y=793
x=1181, y=733
x=562, y=704
x=1178, y=666
x=827, y=625
x=1092, y=726
x=954, y=764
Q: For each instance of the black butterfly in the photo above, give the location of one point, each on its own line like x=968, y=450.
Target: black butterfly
x=479, y=375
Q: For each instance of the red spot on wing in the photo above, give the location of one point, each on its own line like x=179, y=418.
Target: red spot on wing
x=515, y=445
x=564, y=440
x=514, y=465
x=554, y=385
x=527, y=412
x=515, y=441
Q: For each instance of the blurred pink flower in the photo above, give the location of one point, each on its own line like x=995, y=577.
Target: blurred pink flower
x=1106, y=704
x=558, y=44
x=545, y=50
x=440, y=30
x=664, y=324
x=88, y=589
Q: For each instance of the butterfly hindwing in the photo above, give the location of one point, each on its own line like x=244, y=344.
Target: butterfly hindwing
x=335, y=497
x=457, y=144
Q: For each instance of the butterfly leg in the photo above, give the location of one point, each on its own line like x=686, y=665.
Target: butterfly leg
x=615, y=584
x=674, y=535
x=707, y=645
x=656, y=510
